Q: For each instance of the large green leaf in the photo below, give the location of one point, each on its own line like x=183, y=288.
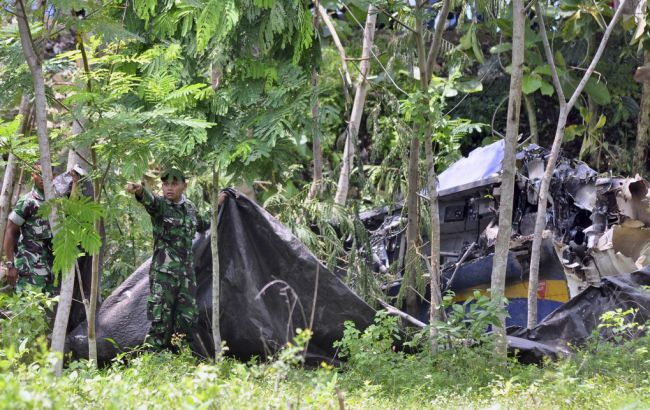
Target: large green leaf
x=530, y=83
x=598, y=91
x=543, y=70
x=546, y=88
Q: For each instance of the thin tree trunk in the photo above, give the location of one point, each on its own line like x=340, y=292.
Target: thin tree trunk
x=5, y=195
x=412, y=227
x=434, y=49
x=413, y=182
x=18, y=187
x=337, y=42
x=10, y=171
x=214, y=246
x=532, y=119
x=79, y=155
x=426, y=64
x=643, y=124
x=357, y=108
x=434, y=240
x=94, y=284
x=317, y=152
x=97, y=195
x=565, y=108
x=40, y=104
x=499, y=263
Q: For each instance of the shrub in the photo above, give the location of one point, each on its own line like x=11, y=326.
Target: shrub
x=24, y=323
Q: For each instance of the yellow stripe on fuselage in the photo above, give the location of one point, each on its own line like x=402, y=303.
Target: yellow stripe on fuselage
x=556, y=290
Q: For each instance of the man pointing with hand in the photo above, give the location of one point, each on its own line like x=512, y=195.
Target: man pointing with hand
x=171, y=305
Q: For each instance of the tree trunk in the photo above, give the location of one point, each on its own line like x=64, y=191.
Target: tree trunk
x=413, y=180
x=40, y=104
x=10, y=171
x=317, y=153
x=532, y=119
x=426, y=64
x=434, y=49
x=18, y=188
x=337, y=42
x=94, y=281
x=643, y=124
x=565, y=108
x=214, y=246
x=499, y=263
x=434, y=240
x=98, y=183
x=357, y=108
x=79, y=155
x=412, y=228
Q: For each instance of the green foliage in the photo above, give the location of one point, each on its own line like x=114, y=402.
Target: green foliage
x=467, y=323
x=459, y=378
x=75, y=229
x=331, y=222
x=216, y=21
x=25, y=148
x=24, y=324
x=372, y=349
x=620, y=325
x=14, y=73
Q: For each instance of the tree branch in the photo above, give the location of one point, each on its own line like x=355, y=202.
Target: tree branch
x=396, y=20
x=597, y=56
x=434, y=49
x=396, y=312
x=549, y=54
x=375, y=55
x=337, y=43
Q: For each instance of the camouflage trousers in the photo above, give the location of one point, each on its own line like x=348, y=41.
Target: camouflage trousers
x=43, y=283
x=171, y=307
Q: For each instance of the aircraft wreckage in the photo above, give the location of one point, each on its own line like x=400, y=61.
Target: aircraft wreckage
x=271, y=284
x=596, y=227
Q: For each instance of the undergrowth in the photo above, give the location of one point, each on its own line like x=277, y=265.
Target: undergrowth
x=384, y=368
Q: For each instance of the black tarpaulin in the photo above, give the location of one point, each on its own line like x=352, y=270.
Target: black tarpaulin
x=573, y=322
x=268, y=283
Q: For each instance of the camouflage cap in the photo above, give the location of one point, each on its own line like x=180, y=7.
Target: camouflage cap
x=172, y=174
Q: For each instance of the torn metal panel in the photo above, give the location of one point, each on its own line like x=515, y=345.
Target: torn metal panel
x=632, y=199
x=480, y=168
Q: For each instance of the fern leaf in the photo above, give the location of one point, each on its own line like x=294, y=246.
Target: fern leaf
x=216, y=21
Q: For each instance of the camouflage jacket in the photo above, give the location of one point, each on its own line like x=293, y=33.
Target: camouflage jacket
x=34, y=247
x=174, y=228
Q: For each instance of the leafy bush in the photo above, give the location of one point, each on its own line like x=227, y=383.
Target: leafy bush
x=24, y=323
x=467, y=323
x=620, y=325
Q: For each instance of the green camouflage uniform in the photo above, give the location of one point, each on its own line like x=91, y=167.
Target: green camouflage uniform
x=171, y=305
x=33, y=258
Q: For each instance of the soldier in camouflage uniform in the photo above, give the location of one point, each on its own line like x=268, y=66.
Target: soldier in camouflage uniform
x=28, y=241
x=171, y=305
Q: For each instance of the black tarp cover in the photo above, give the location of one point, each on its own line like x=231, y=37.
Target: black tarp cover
x=572, y=323
x=256, y=252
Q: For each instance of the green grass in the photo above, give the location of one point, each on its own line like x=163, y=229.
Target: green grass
x=612, y=377
x=375, y=376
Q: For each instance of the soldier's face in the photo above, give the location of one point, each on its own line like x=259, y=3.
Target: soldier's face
x=37, y=178
x=173, y=189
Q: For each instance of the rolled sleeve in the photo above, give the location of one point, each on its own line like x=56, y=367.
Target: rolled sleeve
x=16, y=218
x=20, y=212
